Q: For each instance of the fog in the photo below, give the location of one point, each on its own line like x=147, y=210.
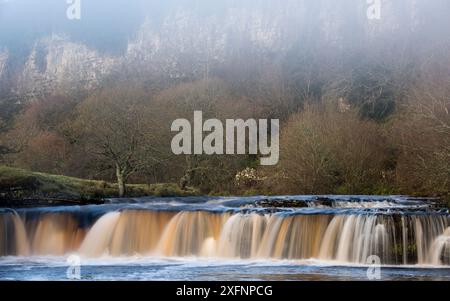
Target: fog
x=108, y=25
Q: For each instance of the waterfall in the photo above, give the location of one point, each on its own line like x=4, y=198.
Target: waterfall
x=13, y=236
x=348, y=238
x=440, y=249
x=98, y=240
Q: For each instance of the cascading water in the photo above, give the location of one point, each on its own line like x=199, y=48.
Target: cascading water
x=400, y=233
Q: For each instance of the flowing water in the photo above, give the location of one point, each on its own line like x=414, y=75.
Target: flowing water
x=254, y=238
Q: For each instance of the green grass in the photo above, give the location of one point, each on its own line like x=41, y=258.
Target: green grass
x=27, y=183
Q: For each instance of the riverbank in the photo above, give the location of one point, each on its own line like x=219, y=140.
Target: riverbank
x=23, y=188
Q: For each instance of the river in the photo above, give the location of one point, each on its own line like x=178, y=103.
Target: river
x=230, y=238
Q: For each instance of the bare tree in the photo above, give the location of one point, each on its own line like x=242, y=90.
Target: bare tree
x=421, y=131
x=327, y=151
x=117, y=127
x=4, y=149
x=214, y=99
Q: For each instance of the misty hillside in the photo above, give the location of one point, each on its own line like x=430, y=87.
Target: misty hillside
x=41, y=51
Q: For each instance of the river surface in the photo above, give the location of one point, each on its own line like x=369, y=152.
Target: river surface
x=229, y=238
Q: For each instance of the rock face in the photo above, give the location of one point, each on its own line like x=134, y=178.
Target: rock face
x=3, y=58
x=186, y=40
x=55, y=64
x=178, y=46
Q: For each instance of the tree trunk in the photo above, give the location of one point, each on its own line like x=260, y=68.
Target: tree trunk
x=121, y=181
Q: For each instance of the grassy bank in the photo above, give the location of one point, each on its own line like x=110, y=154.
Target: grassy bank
x=23, y=184
x=19, y=183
